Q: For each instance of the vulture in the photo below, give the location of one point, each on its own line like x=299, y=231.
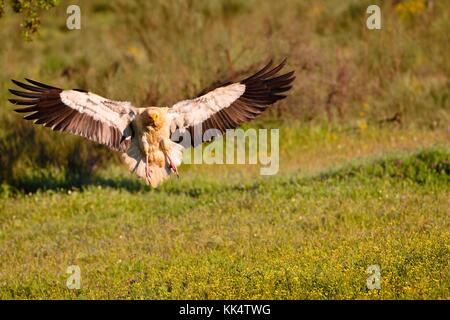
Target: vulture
x=149, y=138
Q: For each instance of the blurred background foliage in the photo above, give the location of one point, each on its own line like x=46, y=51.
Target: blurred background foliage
x=30, y=11
x=158, y=52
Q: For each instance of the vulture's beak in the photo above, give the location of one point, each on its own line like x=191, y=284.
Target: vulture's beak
x=154, y=117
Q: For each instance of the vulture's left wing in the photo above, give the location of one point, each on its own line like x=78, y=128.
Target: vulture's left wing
x=230, y=105
x=82, y=113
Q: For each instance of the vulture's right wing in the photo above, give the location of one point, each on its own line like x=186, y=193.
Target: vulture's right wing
x=82, y=113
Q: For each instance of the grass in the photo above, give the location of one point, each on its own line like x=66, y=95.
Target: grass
x=141, y=51
x=286, y=237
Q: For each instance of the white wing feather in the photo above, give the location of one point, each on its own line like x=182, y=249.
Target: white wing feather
x=115, y=113
x=191, y=112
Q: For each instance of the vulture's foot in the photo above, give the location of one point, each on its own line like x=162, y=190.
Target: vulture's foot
x=172, y=166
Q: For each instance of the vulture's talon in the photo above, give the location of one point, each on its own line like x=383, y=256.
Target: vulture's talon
x=173, y=167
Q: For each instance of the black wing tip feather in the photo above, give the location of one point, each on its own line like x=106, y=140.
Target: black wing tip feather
x=259, y=72
x=40, y=84
x=29, y=95
x=32, y=93
x=34, y=86
x=265, y=87
x=267, y=73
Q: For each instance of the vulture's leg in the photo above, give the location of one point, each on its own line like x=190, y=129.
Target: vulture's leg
x=147, y=170
x=165, y=150
x=172, y=166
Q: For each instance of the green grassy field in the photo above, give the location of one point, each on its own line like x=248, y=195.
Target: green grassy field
x=364, y=155
x=297, y=235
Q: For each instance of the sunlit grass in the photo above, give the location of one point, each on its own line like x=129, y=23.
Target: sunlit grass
x=347, y=75
x=287, y=237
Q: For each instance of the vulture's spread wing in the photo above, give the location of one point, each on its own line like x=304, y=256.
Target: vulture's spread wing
x=230, y=105
x=82, y=113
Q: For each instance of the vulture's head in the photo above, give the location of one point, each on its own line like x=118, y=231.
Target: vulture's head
x=153, y=117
